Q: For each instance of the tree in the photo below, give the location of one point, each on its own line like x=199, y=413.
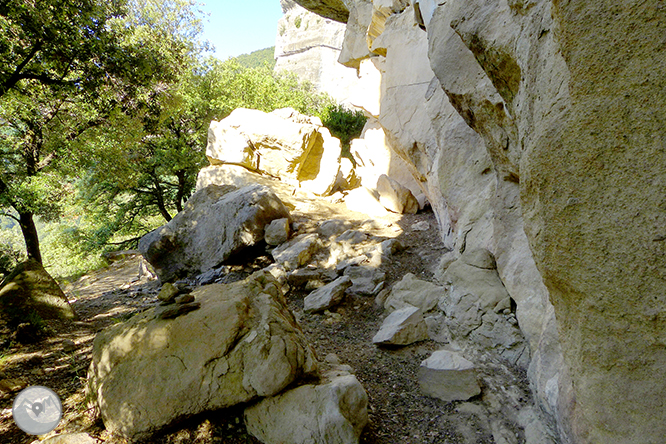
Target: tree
x=66, y=69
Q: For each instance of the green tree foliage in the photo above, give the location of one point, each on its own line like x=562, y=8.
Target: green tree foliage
x=147, y=165
x=258, y=59
x=65, y=70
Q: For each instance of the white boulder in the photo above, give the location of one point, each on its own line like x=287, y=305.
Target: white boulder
x=402, y=327
x=448, y=376
x=241, y=344
x=216, y=223
x=332, y=413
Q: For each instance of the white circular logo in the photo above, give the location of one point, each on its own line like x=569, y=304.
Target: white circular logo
x=37, y=410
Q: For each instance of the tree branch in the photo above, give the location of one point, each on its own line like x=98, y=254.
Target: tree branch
x=11, y=216
x=16, y=76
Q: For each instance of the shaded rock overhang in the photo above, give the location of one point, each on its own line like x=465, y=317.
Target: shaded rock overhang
x=332, y=9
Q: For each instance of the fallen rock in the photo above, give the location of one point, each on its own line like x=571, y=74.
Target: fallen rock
x=366, y=281
x=421, y=226
x=216, y=223
x=211, y=276
x=175, y=310
x=395, y=197
x=302, y=277
x=277, y=232
x=411, y=291
x=402, y=327
x=335, y=412
x=29, y=296
x=184, y=299
x=297, y=252
x=448, y=376
x=241, y=344
x=327, y=296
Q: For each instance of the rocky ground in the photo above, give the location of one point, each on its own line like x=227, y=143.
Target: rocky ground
x=398, y=411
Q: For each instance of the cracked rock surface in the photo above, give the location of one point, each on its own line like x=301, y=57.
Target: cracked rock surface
x=242, y=343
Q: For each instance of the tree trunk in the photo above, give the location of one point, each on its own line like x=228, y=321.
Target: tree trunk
x=180, y=195
x=29, y=231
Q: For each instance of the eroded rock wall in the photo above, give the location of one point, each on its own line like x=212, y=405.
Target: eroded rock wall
x=309, y=45
x=536, y=129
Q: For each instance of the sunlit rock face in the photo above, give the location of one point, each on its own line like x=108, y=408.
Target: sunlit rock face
x=309, y=46
x=534, y=129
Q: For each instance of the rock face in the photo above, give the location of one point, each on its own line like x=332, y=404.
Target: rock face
x=309, y=45
x=29, y=296
x=334, y=412
x=241, y=344
x=533, y=128
x=216, y=223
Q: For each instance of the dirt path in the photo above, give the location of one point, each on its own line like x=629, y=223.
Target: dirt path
x=398, y=412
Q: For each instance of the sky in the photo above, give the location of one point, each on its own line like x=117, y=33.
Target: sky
x=238, y=27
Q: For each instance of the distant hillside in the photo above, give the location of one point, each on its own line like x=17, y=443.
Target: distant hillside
x=258, y=58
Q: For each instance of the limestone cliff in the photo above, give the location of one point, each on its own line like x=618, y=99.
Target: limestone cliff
x=309, y=46
x=536, y=129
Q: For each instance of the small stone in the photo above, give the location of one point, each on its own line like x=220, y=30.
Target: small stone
x=277, y=232
x=327, y=296
x=184, y=298
x=68, y=346
x=395, y=197
x=421, y=226
x=352, y=237
x=335, y=412
x=333, y=227
x=332, y=359
x=175, y=310
x=365, y=280
x=297, y=252
x=402, y=327
x=168, y=293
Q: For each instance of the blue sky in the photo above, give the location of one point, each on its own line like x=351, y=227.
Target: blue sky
x=238, y=27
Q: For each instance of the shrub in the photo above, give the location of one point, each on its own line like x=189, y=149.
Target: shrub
x=343, y=123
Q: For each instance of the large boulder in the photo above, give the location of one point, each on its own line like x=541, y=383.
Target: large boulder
x=331, y=413
x=216, y=223
x=30, y=299
x=242, y=343
x=283, y=144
